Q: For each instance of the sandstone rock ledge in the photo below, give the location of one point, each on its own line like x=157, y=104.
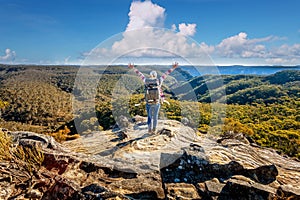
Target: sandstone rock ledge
x=131, y=164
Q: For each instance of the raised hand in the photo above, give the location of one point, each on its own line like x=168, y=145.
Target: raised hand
x=175, y=64
x=130, y=65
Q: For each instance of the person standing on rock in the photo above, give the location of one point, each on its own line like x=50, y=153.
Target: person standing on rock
x=153, y=94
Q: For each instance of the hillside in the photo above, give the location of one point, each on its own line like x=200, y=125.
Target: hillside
x=66, y=100
x=244, y=89
x=210, y=145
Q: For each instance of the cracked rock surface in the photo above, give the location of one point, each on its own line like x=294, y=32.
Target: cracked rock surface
x=174, y=163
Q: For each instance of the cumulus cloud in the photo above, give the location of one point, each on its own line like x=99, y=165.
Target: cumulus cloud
x=187, y=29
x=173, y=27
x=207, y=48
x=145, y=36
x=152, y=42
x=241, y=46
x=285, y=55
x=145, y=14
x=287, y=50
x=8, y=56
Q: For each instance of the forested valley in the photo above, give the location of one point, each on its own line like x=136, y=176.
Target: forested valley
x=55, y=100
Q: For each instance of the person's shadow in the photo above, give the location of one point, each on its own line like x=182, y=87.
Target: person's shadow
x=119, y=137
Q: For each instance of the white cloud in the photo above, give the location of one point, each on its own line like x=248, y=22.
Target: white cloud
x=208, y=49
x=145, y=36
x=174, y=28
x=8, y=56
x=187, y=29
x=145, y=14
x=287, y=51
x=241, y=46
x=153, y=43
x=285, y=55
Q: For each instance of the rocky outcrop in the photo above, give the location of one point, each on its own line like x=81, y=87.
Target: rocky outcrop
x=175, y=163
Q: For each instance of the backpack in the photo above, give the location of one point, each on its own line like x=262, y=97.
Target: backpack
x=152, y=91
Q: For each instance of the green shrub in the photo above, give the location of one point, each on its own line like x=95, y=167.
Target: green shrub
x=29, y=157
x=5, y=144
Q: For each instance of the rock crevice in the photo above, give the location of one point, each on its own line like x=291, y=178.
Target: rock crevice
x=175, y=163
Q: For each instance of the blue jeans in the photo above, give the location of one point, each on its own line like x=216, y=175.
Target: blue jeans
x=152, y=111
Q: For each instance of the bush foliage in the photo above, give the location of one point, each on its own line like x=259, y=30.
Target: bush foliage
x=28, y=157
x=40, y=99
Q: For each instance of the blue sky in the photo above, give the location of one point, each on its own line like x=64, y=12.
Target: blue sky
x=229, y=31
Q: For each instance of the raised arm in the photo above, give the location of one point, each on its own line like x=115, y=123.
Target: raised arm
x=169, y=71
x=140, y=74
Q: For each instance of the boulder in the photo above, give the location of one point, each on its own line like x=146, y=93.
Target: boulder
x=175, y=163
x=181, y=191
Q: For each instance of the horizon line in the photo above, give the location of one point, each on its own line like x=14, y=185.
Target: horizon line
x=147, y=64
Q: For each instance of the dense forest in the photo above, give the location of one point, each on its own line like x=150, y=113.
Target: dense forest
x=67, y=101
